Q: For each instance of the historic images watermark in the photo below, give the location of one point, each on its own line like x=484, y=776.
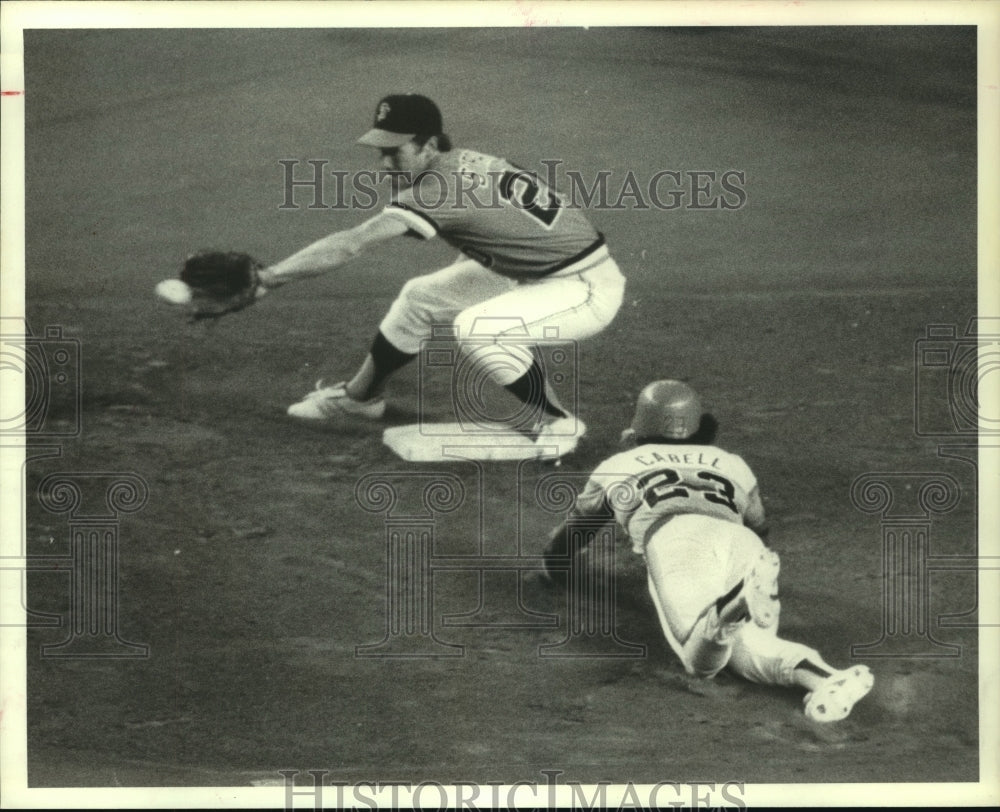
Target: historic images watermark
x=492, y=348
x=47, y=367
x=906, y=503
x=952, y=367
x=310, y=184
x=311, y=788
x=412, y=629
x=93, y=502
x=412, y=504
x=953, y=371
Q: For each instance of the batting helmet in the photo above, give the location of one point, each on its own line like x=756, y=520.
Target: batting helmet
x=669, y=409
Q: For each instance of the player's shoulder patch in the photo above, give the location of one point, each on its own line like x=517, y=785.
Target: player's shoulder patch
x=474, y=159
x=470, y=162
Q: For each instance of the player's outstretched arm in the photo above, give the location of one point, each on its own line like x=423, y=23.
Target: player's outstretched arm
x=332, y=251
x=563, y=544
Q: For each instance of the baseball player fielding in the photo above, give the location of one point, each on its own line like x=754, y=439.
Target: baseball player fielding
x=530, y=269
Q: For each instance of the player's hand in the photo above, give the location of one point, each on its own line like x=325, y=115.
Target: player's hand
x=214, y=283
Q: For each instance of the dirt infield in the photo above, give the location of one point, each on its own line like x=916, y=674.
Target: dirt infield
x=252, y=571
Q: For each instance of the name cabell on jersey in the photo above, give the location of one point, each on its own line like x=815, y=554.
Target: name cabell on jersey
x=498, y=214
x=689, y=458
x=645, y=486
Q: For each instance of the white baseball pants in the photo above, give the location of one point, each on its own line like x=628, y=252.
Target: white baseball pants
x=691, y=562
x=491, y=311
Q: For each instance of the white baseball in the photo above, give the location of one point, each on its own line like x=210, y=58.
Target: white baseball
x=174, y=291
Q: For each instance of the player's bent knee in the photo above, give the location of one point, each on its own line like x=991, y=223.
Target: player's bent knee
x=413, y=289
x=463, y=325
x=503, y=364
x=705, y=658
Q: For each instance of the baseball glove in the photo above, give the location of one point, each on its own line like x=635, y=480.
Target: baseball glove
x=221, y=282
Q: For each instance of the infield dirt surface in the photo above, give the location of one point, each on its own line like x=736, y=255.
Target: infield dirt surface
x=252, y=573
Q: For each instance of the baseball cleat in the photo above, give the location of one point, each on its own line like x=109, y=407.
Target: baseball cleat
x=330, y=402
x=838, y=694
x=762, y=590
x=564, y=432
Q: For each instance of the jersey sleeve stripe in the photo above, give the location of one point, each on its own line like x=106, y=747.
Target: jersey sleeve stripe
x=416, y=220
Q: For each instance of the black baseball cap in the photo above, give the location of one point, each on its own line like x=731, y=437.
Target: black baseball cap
x=400, y=117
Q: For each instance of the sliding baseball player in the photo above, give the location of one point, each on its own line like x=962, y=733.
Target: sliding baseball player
x=694, y=512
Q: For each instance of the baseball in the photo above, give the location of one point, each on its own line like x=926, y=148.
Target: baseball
x=174, y=291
